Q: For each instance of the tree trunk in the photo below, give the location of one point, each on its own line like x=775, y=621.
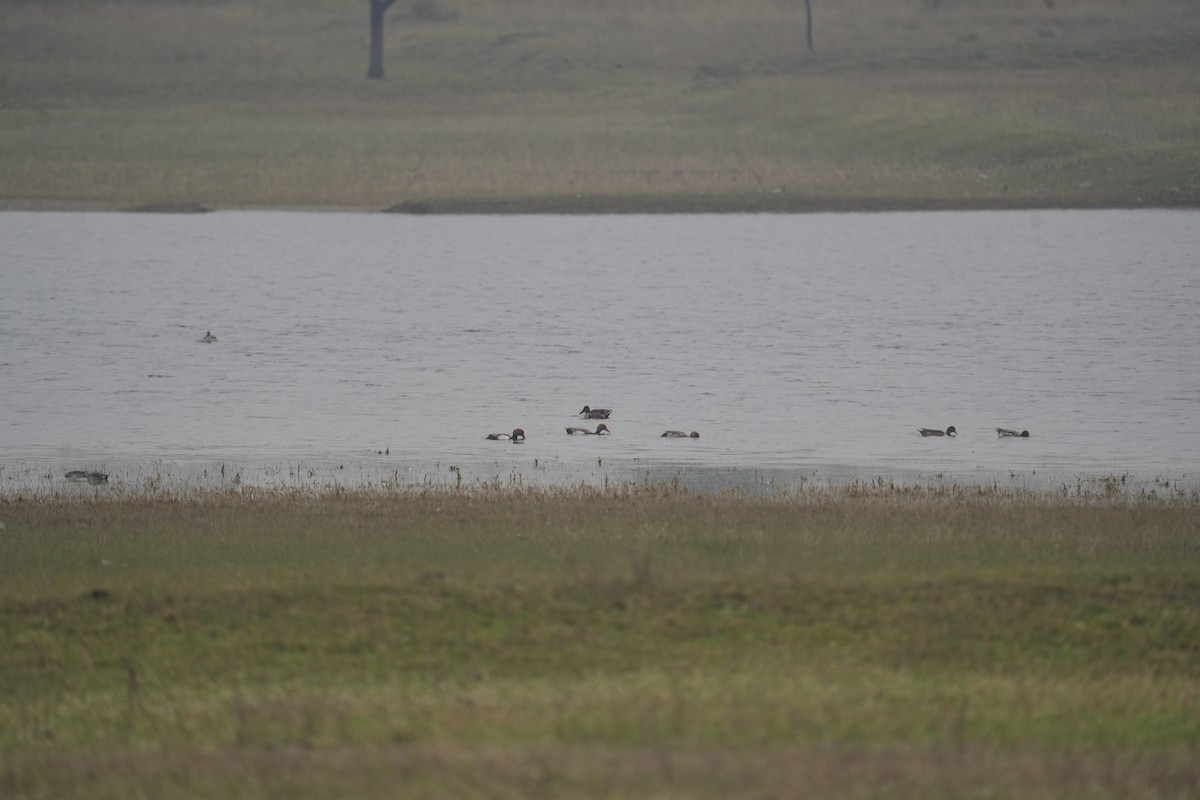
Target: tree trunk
x=378, y=9
x=808, y=23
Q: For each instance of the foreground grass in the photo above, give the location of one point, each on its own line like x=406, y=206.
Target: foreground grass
x=639, y=642
x=560, y=105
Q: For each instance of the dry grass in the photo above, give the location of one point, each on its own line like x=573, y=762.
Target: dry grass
x=639, y=641
x=542, y=771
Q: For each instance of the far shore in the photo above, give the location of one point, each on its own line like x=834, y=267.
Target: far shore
x=562, y=108
x=778, y=203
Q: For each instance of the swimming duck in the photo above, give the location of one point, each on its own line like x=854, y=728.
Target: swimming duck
x=601, y=430
x=935, y=432
x=518, y=435
x=680, y=435
x=208, y=337
x=84, y=475
x=595, y=413
x=1005, y=433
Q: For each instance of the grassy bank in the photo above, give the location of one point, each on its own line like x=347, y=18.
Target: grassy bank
x=641, y=642
x=555, y=105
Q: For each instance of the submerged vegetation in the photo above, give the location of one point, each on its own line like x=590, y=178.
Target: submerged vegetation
x=564, y=105
x=633, y=641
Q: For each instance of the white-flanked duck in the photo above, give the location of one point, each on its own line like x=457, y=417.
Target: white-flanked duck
x=83, y=475
x=595, y=413
x=935, y=432
x=1006, y=433
x=601, y=430
x=208, y=337
x=518, y=435
x=680, y=435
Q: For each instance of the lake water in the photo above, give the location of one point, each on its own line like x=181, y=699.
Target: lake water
x=372, y=348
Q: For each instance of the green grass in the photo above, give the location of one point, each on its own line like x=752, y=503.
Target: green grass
x=634, y=642
x=570, y=105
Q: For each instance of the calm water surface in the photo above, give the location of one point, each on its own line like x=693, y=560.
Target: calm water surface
x=362, y=348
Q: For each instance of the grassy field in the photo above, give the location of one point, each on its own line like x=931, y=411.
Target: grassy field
x=570, y=105
x=575, y=643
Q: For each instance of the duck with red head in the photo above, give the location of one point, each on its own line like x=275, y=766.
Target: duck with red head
x=516, y=437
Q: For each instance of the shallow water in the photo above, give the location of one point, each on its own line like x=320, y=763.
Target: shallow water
x=356, y=348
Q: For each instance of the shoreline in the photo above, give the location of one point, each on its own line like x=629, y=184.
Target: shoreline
x=780, y=203
x=1110, y=494
x=42, y=480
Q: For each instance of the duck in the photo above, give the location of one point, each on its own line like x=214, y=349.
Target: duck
x=601, y=430
x=84, y=475
x=595, y=413
x=680, y=435
x=1005, y=433
x=951, y=431
x=518, y=435
x=208, y=337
